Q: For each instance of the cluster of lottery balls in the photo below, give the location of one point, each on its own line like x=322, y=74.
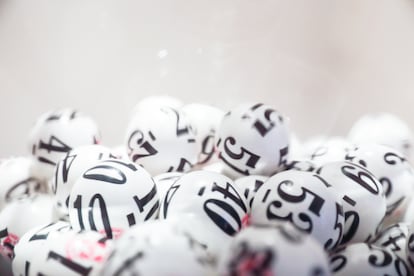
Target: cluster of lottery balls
x=195, y=190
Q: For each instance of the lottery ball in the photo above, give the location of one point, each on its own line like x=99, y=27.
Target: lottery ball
x=394, y=238
x=112, y=196
x=303, y=199
x=31, y=243
x=57, y=132
x=206, y=120
x=20, y=216
x=249, y=186
x=362, y=197
x=368, y=260
x=161, y=140
x=392, y=170
x=208, y=205
x=157, y=248
x=70, y=168
x=71, y=253
x=383, y=128
x=253, y=139
x=16, y=180
x=273, y=251
x=331, y=150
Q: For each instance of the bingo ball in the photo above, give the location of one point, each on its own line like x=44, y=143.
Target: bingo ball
x=383, y=128
x=71, y=253
x=161, y=140
x=20, y=216
x=363, y=199
x=57, y=132
x=273, y=251
x=70, y=168
x=111, y=196
x=394, y=238
x=208, y=205
x=368, y=260
x=331, y=150
x=249, y=186
x=392, y=170
x=303, y=199
x=157, y=248
x=31, y=243
x=206, y=119
x=253, y=139
x=16, y=180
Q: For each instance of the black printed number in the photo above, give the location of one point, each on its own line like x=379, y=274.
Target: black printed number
x=249, y=158
x=315, y=206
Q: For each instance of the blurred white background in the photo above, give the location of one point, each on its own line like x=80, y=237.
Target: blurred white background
x=323, y=63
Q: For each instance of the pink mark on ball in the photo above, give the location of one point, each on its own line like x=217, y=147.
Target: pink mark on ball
x=245, y=221
x=7, y=245
x=86, y=249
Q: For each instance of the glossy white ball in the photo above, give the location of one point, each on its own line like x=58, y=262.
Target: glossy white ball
x=157, y=248
x=206, y=120
x=208, y=205
x=281, y=251
x=253, y=139
x=16, y=179
x=31, y=243
x=383, y=128
x=57, y=132
x=392, y=170
x=161, y=140
x=303, y=199
x=112, y=196
x=363, y=199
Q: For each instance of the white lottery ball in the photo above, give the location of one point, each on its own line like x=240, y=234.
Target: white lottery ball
x=305, y=200
x=20, y=216
x=206, y=119
x=71, y=167
x=112, y=196
x=331, y=150
x=32, y=242
x=368, y=260
x=253, y=139
x=16, y=179
x=249, y=185
x=161, y=140
x=57, y=132
x=394, y=238
x=392, y=170
x=273, y=251
x=208, y=201
x=383, y=128
x=157, y=248
x=363, y=199
x=72, y=253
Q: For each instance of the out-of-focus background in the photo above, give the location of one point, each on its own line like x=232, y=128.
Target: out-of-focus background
x=323, y=63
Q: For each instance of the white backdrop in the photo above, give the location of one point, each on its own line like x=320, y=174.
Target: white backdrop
x=323, y=63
